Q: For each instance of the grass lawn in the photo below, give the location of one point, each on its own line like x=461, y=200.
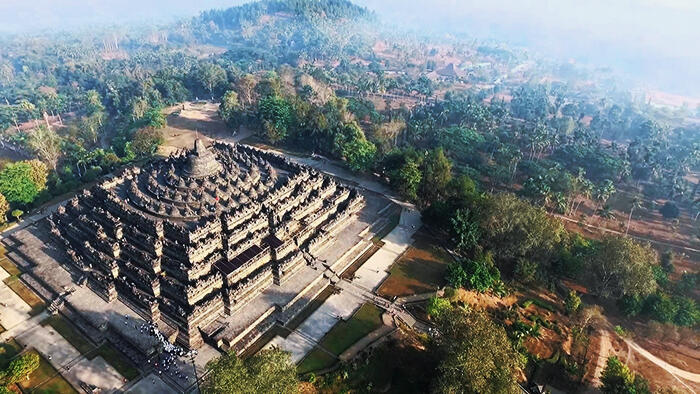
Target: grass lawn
x=117, y=360
x=26, y=295
x=420, y=270
x=394, y=220
x=343, y=335
x=8, y=266
x=350, y=271
x=316, y=360
x=46, y=380
x=67, y=331
x=309, y=309
x=8, y=351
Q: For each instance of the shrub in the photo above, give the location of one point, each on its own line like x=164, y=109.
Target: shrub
x=437, y=306
x=572, y=302
x=526, y=270
x=670, y=210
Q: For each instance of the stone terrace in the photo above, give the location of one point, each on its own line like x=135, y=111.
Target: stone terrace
x=221, y=241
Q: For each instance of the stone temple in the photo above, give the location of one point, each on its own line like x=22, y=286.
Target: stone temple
x=186, y=240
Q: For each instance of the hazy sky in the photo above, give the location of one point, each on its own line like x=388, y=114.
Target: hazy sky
x=654, y=38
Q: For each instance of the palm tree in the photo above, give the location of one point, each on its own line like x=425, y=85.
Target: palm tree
x=636, y=203
x=606, y=212
x=603, y=192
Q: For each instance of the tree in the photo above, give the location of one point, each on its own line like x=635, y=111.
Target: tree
x=210, y=76
x=513, y=228
x=268, y=371
x=17, y=213
x=455, y=275
x=154, y=118
x=479, y=273
x=359, y=154
x=437, y=306
x=437, y=173
x=276, y=116
x=620, y=266
x=39, y=173
x=617, y=378
x=572, y=303
x=92, y=103
x=667, y=258
x=465, y=231
x=229, y=110
x=17, y=183
x=475, y=355
x=687, y=313
x=19, y=368
x=407, y=179
x=526, y=270
x=47, y=145
x=246, y=89
x=635, y=203
x=603, y=192
x=4, y=208
x=670, y=210
x=146, y=141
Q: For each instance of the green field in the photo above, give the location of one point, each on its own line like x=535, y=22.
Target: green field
x=46, y=380
x=67, y=331
x=9, y=266
x=8, y=351
x=343, y=335
x=26, y=294
x=117, y=360
x=420, y=270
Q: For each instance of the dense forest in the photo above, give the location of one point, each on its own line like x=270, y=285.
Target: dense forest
x=491, y=161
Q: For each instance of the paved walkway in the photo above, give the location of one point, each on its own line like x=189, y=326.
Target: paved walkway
x=366, y=341
x=28, y=331
x=375, y=270
x=13, y=310
x=151, y=384
x=309, y=333
x=368, y=277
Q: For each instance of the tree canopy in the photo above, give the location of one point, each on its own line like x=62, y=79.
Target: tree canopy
x=475, y=355
x=268, y=371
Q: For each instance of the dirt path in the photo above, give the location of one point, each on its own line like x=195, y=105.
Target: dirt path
x=603, y=351
x=673, y=370
x=607, y=230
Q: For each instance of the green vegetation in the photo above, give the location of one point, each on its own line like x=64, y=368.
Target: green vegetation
x=618, y=378
x=475, y=354
x=18, y=182
x=420, y=269
x=269, y=371
x=573, y=303
x=8, y=351
x=316, y=360
x=69, y=333
x=117, y=360
x=45, y=379
x=488, y=174
x=479, y=274
x=19, y=369
x=343, y=335
x=365, y=320
x=437, y=306
x=26, y=295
